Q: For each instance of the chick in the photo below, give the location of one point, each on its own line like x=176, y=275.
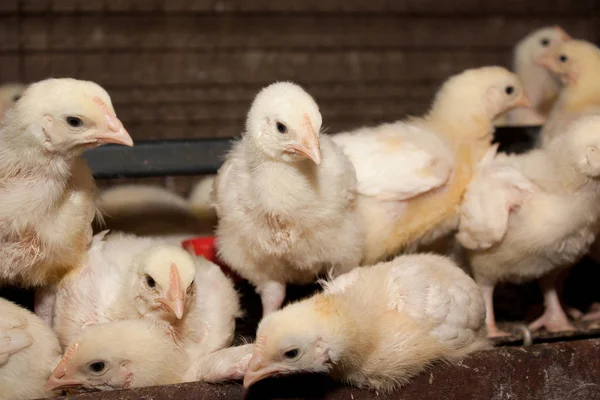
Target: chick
x=119, y=355
x=29, y=351
x=285, y=198
x=46, y=189
x=124, y=277
x=527, y=216
x=375, y=327
x=541, y=86
x=9, y=94
x=151, y=211
x=412, y=175
x=577, y=64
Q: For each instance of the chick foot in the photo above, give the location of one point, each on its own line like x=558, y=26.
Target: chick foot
x=554, y=318
x=222, y=365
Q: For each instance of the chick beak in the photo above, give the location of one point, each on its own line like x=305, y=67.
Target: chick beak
x=257, y=371
x=524, y=102
x=309, y=144
x=174, y=300
x=61, y=376
x=563, y=35
x=546, y=60
x=117, y=135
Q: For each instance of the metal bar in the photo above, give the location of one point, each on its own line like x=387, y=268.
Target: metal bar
x=204, y=156
x=566, y=370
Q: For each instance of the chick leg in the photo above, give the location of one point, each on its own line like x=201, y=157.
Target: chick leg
x=222, y=365
x=554, y=318
x=490, y=320
x=272, y=295
x=45, y=299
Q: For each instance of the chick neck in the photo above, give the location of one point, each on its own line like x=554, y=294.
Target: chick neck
x=584, y=93
x=539, y=84
x=21, y=151
x=340, y=333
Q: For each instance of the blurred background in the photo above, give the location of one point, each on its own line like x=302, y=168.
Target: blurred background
x=189, y=68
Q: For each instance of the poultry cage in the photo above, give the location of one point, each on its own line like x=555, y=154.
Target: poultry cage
x=183, y=72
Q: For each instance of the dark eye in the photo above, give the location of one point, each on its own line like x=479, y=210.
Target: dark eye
x=150, y=282
x=97, y=367
x=545, y=42
x=16, y=98
x=509, y=90
x=293, y=353
x=281, y=127
x=563, y=58
x=74, y=122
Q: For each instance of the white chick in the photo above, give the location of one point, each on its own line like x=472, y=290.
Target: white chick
x=46, y=190
x=412, y=175
x=527, y=216
x=577, y=64
x=124, y=277
x=29, y=351
x=9, y=94
x=151, y=211
x=541, y=86
x=285, y=198
x=375, y=327
x=120, y=355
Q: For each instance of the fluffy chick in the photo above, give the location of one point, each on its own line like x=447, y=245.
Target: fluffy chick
x=29, y=351
x=285, y=198
x=541, y=86
x=527, y=216
x=377, y=326
x=412, y=175
x=46, y=189
x=153, y=211
x=577, y=65
x=9, y=94
x=124, y=277
x=119, y=355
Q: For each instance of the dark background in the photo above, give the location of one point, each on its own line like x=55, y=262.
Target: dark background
x=189, y=68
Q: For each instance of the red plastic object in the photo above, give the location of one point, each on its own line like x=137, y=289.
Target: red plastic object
x=206, y=246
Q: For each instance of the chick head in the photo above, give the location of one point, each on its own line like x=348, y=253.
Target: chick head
x=291, y=340
x=284, y=122
x=482, y=92
x=582, y=143
x=9, y=94
x=572, y=59
x=115, y=355
x=68, y=116
x=534, y=45
x=164, y=281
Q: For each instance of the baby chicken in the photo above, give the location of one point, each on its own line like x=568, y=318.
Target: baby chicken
x=29, y=351
x=527, y=216
x=124, y=277
x=9, y=94
x=120, y=355
x=377, y=326
x=46, y=189
x=541, y=86
x=577, y=64
x=412, y=175
x=285, y=198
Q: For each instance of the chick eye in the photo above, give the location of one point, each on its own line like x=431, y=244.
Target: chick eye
x=563, y=58
x=545, y=42
x=97, y=367
x=293, y=353
x=150, y=282
x=281, y=127
x=509, y=90
x=16, y=98
x=74, y=122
